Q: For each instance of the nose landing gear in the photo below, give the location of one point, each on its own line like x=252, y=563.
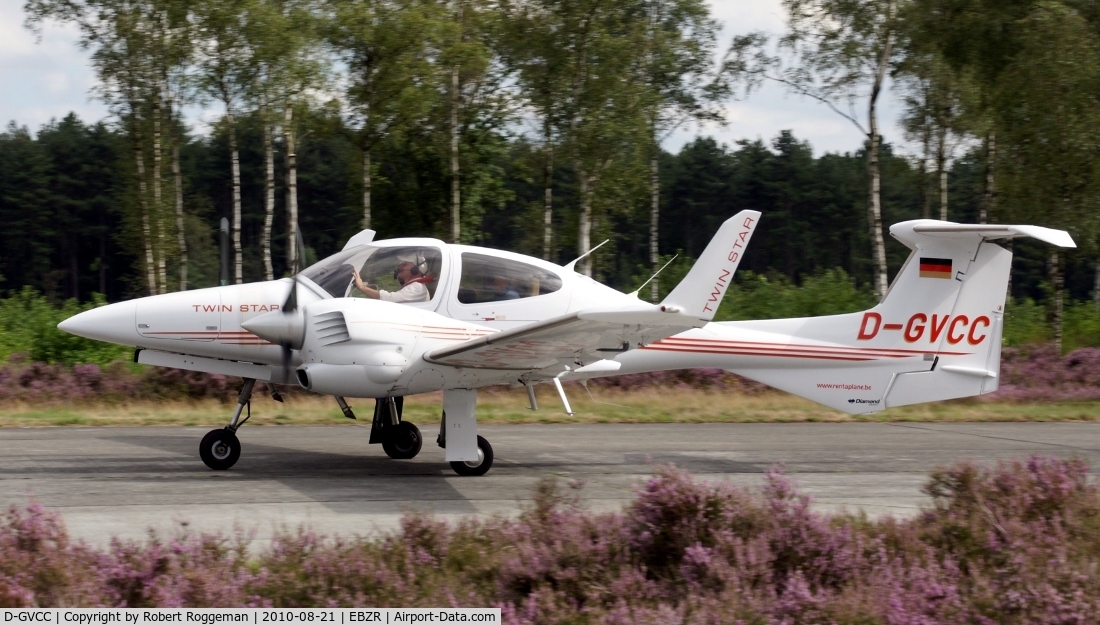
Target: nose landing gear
x=220, y=449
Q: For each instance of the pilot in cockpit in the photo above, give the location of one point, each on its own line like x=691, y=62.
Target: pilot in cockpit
x=409, y=275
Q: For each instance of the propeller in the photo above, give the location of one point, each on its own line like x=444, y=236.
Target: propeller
x=290, y=307
x=285, y=327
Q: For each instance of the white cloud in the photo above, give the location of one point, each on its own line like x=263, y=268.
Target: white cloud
x=42, y=80
x=57, y=82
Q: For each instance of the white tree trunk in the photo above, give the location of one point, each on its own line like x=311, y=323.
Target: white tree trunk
x=874, y=203
x=584, y=234
x=366, y=189
x=146, y=230
x=293, y=254
x=158, y=206
x=238, y=265
x=1096, y=285
x=654, y=214
x=548, y=198
x=990, y=189
x=925, y=196
x=181, y=238
x=269, y=191
x=941, y=170
x=456, y=197
x=874, y=216
x=922, y=173
x=1056, y=314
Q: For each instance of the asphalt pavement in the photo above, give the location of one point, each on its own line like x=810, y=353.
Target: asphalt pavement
x=123, y=481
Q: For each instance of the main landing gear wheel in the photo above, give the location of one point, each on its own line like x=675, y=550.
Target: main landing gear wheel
x=482, y=465
x=403, y=441
x=220, y=449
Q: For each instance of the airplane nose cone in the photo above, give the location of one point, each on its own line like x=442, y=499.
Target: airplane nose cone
x=114, y=323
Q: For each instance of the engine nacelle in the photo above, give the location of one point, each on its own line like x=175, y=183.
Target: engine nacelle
x=343, y=380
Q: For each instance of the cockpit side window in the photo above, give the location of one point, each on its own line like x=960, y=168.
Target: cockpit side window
x=378, y=270
x=494, y=279
x=376, y=267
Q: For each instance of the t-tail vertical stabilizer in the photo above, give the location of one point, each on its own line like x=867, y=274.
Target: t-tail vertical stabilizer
x=935, y=336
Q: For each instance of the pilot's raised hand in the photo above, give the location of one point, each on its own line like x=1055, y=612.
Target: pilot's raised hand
x=359, y=284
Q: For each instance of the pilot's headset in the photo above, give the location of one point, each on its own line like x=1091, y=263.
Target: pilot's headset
x=419, y=262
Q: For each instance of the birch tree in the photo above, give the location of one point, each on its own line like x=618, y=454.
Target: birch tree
x=680, y=83
x=170, y=51
x=602, y=113
x=839, y=53
x=118, y=34
x=530, y=52
x=1049, y=113
x=385, y=46
x=477, y=106
x=937, y=100
x=225, y=67
x=283, y=35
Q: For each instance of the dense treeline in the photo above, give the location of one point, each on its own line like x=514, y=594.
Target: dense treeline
x=63, y=206
x=535, y=125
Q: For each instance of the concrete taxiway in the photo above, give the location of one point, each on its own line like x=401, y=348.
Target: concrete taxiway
x=122, y=481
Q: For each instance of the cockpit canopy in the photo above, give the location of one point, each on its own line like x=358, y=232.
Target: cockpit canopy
x=484, y=277
x=376, y=265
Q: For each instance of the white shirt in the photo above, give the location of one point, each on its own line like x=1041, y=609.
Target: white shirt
x=411, y=292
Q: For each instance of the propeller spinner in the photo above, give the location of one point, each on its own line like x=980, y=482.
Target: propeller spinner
x=286, y=327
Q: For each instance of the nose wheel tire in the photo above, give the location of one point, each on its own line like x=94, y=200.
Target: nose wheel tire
x=483, y=463
x=403, y=442
x=220, y=449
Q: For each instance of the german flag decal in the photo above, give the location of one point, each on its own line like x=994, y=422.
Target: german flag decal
x=935, y=268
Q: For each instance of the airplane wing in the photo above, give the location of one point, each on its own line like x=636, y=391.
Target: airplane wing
x=586, y=337
x=576, y=339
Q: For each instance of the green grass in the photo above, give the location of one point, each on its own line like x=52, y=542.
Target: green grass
x=510, y=406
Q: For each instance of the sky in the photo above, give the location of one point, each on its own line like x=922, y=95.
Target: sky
x=45, y=79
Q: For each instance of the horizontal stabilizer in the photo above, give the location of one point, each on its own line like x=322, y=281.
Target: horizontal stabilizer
x=946, y=229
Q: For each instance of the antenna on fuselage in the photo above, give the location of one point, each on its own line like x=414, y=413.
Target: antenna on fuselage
x=655, y=274
x=572, y=266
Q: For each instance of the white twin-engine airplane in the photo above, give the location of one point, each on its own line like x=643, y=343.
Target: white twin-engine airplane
x=480, y=317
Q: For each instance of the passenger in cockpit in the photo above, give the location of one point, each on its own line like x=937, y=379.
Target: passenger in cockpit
x=411, y=278
x=502, y=289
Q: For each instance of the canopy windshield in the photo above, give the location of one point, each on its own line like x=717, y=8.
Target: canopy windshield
x=376, y=265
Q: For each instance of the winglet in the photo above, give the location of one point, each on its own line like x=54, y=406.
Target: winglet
x=701, y=291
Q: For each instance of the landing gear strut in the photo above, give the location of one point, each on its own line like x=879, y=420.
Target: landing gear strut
x=468, y=454
x=220, y=449
x=400, y=440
